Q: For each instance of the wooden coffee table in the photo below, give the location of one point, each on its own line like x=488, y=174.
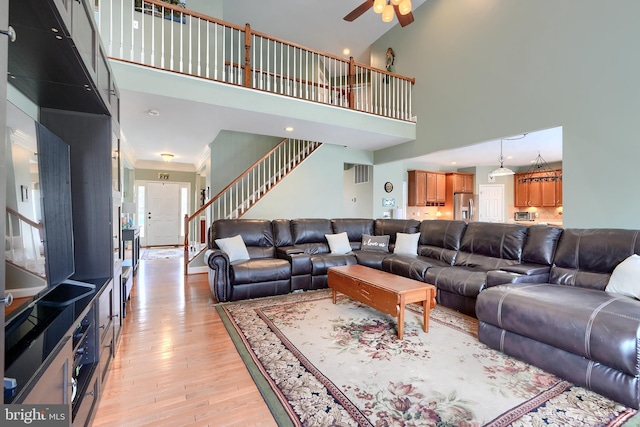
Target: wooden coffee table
x=383, y=291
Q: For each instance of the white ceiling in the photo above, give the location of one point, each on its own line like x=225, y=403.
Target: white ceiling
x=185, y=128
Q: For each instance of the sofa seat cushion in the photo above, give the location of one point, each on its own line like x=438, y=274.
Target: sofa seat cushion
x=411, y=266
x=464, y=281
x=320, y=263
x=591, y=323
x=259, y=270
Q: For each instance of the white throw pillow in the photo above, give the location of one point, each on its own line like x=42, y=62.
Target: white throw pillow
x=625, y=279
x=234, y=247
x=406, y=244
x=338, y=243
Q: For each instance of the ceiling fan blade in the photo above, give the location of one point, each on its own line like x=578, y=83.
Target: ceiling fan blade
x=404, y=20
x=355, y=13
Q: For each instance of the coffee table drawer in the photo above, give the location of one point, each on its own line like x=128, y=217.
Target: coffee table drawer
x=380, y=299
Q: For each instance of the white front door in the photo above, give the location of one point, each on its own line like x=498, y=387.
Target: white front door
x=163, y=214
x=491, y=203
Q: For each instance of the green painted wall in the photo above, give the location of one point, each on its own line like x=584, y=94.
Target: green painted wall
x=313, y=190
x=234, y=152
x=488, y=69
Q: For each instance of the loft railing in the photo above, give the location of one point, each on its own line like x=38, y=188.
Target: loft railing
x=238, y=197
x=168, y=37
x=23, y=243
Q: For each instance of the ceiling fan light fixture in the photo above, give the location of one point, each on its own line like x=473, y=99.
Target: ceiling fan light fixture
x=387, y=13
x=405, y=7
x=378, y=6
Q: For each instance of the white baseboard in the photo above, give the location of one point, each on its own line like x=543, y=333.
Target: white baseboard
x=199, y=269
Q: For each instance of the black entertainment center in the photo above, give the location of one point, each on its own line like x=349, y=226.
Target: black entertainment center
x=59, y=344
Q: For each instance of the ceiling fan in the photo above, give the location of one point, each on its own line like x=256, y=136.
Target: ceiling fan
x=402, y=10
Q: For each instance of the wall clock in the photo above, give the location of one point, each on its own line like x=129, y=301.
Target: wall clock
x=388, y=187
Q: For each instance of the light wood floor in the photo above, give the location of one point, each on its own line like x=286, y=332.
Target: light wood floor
x=175, y=364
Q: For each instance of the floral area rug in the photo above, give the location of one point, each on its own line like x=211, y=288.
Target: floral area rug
x=320, y=364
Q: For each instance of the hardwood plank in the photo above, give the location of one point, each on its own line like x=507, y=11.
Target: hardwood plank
x=175, y=363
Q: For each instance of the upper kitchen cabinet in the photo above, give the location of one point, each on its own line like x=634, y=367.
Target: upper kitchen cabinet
x=460, y=182
x=436, y=187
x=426, y=188
x=538, y=192
x=417, y=188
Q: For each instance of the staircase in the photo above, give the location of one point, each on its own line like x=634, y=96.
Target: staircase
x=244, y=192
x=23, y=244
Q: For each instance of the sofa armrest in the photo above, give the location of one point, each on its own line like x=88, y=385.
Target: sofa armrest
x=219, y=280
x=519, y=273
x=528, y=269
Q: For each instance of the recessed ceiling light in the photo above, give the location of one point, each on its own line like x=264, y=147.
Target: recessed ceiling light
x=346, y=51
x=153, y=113
x=454, y=163
x=509, y=157
x=289, y=129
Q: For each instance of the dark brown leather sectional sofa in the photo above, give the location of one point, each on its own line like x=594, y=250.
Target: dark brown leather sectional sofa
x=538, y=291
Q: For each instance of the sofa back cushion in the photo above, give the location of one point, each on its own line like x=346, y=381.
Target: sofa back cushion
x=540, y=244
x=282, y=232
x=490, y=246
x=440, y=239
x=587, y=257
x=391, y=227
x=257, y=235
x=308, y=234
x=354, y=227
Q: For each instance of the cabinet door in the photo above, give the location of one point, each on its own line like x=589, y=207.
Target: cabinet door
x=458, y=183
x=417, y=188
x=521, y=196
x=441, y=188
x=432, y=187
x=535, y=193
x=54, y=385
x=467, y=182
x=548, y=193
x=559, y=191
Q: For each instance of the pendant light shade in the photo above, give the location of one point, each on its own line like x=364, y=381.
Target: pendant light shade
x=404, y=7
x=378, y=6
x=387, y=13
x=396, y=2
x=502, y=171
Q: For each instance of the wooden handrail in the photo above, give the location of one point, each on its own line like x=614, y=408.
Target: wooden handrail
x=32, y=223
x=238, y=179
x=247, y=27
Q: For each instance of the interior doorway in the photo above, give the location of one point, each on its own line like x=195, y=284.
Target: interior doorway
x=491, y=203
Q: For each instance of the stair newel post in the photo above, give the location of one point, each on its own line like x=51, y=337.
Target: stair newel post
x=352, y=76
x=186, y=244
x=247, y=55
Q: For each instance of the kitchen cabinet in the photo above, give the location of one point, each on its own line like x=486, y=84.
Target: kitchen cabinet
x=54, y=386
x=541, y=193
x=417, y=188
x=461, y=182
x=436, y=187
x=426, y=188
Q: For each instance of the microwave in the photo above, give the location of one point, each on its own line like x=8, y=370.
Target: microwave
x=524, y=216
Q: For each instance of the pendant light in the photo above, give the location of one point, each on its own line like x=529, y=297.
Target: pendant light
x=502, y=171
x=405, y=7
x=387, y=13
x=378, y=6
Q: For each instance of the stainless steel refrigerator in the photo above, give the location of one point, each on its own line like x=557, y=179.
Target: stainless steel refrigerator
x=465, y=206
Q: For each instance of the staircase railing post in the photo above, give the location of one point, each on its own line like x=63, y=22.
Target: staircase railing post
x=186, y=244
x=247, y=55
x=352, y=76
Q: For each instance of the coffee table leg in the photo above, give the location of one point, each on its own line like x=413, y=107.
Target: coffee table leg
x=426, y=310
x=401, y=319
x=333, y=291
